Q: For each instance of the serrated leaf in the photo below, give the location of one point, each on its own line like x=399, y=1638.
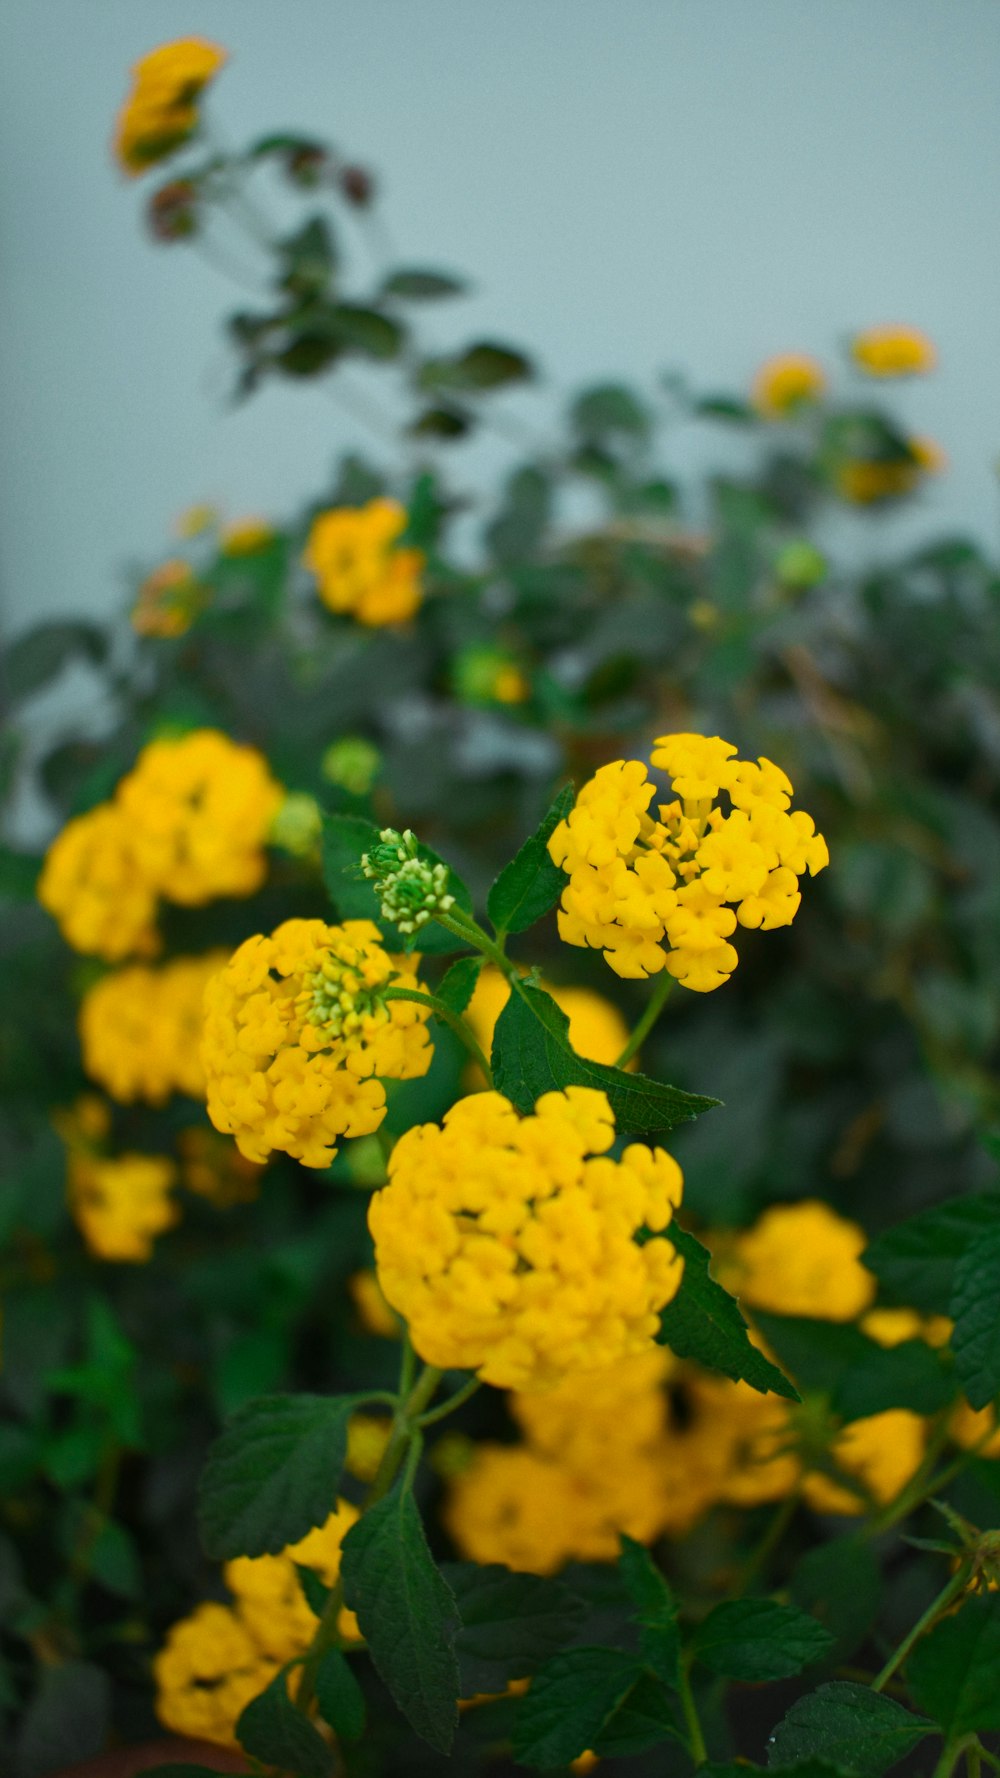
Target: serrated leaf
x=916, y=1260
x=862, y=1731
x=274, y=1473
x=407, y=1613
x=532, y=1055
x=975, y=1310
x=530, y=884
x=704, y=1322
x=273, y=1731
x=645, y=1719
x=339, y=1696
x=655, y=1610
x=758, y=1639
x=954, y=1672
x=345, y=839
x=458, y=985
x=569, y=1702
x=510, y=1623
x=414, y=284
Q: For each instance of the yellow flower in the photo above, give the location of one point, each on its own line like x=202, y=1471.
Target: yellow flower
x=800, y=1259
x=866, y=480
x=92, y=883
x=969, y=1425
x=893, y=352
x=880, y=1453
x=167, y=600
x=743, y=1440
x=515, y=1506
x=597, y=1030
x=120, y=1205
x=890, y=1327
x=246, y=537
x=787, y=383
x=508, y=1243
x=268, y=1592
x=654, y=893
x=140, y=1029
x=214, y=1169
x=361, y=570
x=161, y=113
x=207, y=1672
x=299, y=1036
x=198, y=809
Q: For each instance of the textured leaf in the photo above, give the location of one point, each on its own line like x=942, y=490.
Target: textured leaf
x=339, y=1696
x=704, y=1322
x=655, y=1610
x=458, y=985
x=916, y=1260
x=407, y=1613
x=645, y=1719
x=757, y=1639
x=530, y=884
x=274, y=1473
x=975, y=1310
x=510, y=1623
x=954, y=1672
x=273, y=1731
x=532, y=1055
x=861, y=1731
x=568, y=1704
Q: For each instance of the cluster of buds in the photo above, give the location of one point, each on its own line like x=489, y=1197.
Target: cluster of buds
x=412, y=891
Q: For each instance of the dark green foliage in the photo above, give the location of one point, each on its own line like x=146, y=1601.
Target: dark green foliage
x=274, y=1473
x=704, y=1322
x=858, y=1730
x=275, y=1732
x=758, y=1639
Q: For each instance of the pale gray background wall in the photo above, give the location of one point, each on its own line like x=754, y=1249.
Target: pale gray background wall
x=633, y=184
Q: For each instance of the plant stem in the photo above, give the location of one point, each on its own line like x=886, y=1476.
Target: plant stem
x=947, y=1595
x=657, y=1001
x=699, y=1752
x=462, y=1029
x=471, y=933
x=454, y=1401
x=953, y=1751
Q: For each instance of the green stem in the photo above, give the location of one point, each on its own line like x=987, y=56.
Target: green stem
x=462, y=1029
x=657, y=1001
x=953, y=1751
x=699, y=1752
x=946, y=1597
x=457, y=1400
x=925, y=1485
x=462, y=926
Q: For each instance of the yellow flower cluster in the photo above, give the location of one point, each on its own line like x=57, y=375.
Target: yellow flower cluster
x=866, y=480
x=893, y=352
x=787, y=383
x=798, y=1259
x=188, y=823
x=299, y=1036
x=360, y=568
x=167, y=600
x=508, y=1243
x=161, y=110
x=120, y=1205
x=140, y=1029
x=597, y=1030
x=654, y=893
x=220, y=1656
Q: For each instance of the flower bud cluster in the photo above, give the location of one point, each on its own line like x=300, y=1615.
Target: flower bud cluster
x=412, y=891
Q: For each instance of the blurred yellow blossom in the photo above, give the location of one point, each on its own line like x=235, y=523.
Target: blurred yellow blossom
x=161, y=113
x=167, y=601
x=359, y=565
x=93, y=884
x=375, y=1313
x=787, y=383
x=799, y=1259
x=120, y=1205
x=893, y=352
x=140, y=1029
x=246, y=537
x=198, y=808
x=213, y=1168
x=880, y=1453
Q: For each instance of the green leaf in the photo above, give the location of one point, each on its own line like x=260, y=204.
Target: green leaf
x=345, y=839
x=610, y=409
x=416, y=285
x=316, y=1591
x=441, y=422
x=488, y=365
x=67, y=1718
x=532, y=1055
x=916, y=1260
x=511, y=1623
x=309, y=258
x=18, y=874
x=39, y=654
x=840, y=1584
x=569, y=1702
x=273, y=1731
x=954, y=1672
x=529, y=885
x=723, y=407
x=804, y=1768
x=861, y=1731
x=655, y=1610
x=516, y=533
x=365, y=330
x=860, y=1376
x=339, y=1696
x=757, y=1639
x=274, y=1473
x=704, y=1322
x=975, y=1310
x=457, y=986
x=645, y=1719
x=407, y=1613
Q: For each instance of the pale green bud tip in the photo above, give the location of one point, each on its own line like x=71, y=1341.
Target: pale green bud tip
x=297, y=825
x=352, y=763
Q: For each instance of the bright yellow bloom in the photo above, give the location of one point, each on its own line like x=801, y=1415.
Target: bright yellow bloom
x=787, y=383
x=515, y=1506
x=591, y=1416
x=213, y=1168
x=890, y=1327
x=268, y=1592
x=198, y=808
x=743, y=1441
x=92, y=883
x=800, y=1259
x=597, y=1030
x=361, y=570
x=299, y=1037
x=508, y=1243
x=140, y=1029
x=969, y=1425
x=245, y=537
x=893, y=352
x=167, y=600
x=654, y=893
x=880, y=1453
x=120, y=1205
x=161, y=113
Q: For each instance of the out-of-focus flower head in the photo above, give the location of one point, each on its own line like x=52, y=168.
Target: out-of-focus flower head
x=784, y=385
x=893, y=351
x=140, y=1029
x=360, y=567
x=161, y=111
